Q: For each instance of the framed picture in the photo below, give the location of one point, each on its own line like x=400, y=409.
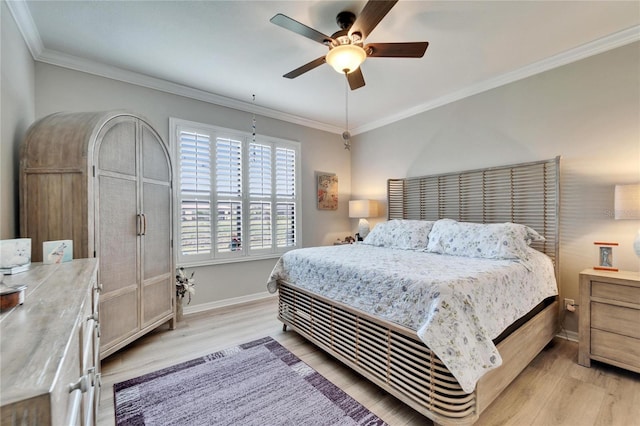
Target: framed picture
x=605, y=256
x=57, y=251
x=327, y=191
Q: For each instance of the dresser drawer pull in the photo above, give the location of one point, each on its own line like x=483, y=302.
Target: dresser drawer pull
x=82, y=385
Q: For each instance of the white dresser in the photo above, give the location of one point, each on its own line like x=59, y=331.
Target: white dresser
x=49, y=350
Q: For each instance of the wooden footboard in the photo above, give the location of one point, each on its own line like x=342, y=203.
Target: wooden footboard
x=395, y=359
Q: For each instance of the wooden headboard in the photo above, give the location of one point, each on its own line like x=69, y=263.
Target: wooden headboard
x=526, y=193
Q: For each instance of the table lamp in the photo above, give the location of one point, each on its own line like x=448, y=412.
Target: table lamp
x=627, y=206
x=362, y=209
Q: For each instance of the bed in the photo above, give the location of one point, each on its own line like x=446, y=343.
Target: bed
x=398, y=349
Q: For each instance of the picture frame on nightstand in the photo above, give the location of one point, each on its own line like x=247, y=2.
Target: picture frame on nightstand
x=605, y=256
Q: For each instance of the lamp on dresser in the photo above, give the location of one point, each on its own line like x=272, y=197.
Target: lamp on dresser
x=627, y=206
x=363, y=209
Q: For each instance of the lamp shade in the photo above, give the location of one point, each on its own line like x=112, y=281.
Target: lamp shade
x=363, y=208
x=346, y=58
x=627, y=201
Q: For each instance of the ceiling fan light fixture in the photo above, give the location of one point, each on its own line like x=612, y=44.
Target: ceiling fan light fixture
x=346, y=58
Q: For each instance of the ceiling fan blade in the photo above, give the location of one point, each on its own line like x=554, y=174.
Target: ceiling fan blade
x=396, y=50
x=306, y=67
x=370, y=16
x=295, y=26
x=355, y=79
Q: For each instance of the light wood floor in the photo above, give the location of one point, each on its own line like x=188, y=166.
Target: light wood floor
x=552, y=390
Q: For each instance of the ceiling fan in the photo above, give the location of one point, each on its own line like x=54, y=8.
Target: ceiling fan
x=346, y=46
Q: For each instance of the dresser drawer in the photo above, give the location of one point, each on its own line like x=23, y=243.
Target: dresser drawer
x=620, y=293
x=616, y=319
x=614, y=347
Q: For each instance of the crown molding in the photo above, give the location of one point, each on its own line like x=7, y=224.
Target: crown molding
x=97, y=68
x=601, y=45
x=29, y=31
x=23, y=19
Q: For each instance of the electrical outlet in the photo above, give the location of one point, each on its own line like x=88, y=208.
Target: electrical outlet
x=568, y=303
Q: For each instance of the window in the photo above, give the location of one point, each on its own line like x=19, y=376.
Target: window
x=238, y=198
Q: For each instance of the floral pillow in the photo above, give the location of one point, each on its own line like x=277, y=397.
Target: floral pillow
x=401, y=234
x=490, y=241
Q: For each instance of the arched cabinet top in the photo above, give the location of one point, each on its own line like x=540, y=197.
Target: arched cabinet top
x=67, y=139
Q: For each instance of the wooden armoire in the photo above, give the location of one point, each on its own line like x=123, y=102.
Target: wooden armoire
x=103, y=180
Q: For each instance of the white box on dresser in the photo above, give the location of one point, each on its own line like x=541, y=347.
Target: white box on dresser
x=49, y=351
x=609, y=323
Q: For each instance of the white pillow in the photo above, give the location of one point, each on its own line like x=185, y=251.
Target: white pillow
x=490, y=241
x=401, y=234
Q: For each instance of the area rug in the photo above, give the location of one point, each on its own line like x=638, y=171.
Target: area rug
x=258, y=383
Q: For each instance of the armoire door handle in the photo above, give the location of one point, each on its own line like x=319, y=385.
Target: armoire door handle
x=139, y=224
x=144, y=224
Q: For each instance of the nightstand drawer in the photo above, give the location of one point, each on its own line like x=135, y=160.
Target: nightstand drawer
x=621, y=293
x=615, y=347
x=616, y=319
x=609, y=321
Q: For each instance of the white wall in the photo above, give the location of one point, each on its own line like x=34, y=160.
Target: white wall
x=588, y=112
x=60, y=89
x=16, y=114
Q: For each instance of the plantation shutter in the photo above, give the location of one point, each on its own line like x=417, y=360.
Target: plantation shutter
x=260, y=184
x=195, y=193
x=228, y=195
x=238, y=197
x=285, y=177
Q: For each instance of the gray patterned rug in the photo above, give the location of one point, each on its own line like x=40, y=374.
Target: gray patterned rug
x=258, y=383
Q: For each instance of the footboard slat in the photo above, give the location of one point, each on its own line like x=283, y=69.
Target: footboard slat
x=398, y=363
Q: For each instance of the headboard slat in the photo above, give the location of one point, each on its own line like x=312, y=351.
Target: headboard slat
x=526, y=193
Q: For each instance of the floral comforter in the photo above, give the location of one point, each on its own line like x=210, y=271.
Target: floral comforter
x=457, y=305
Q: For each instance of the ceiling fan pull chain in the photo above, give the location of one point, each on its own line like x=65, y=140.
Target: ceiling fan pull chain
x=346, y=136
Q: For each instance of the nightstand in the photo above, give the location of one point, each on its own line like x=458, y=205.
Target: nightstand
x=609, y=324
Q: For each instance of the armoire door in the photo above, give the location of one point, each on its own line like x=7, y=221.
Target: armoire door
x=157, y=275
x=117, y=227
x=103, y=179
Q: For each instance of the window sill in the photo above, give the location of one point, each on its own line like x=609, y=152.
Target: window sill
x=211, y=262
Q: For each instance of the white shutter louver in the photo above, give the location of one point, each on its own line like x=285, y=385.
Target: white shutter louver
x=286, y=198
x=229, y=194
x=260, y=183
x=260, y=224
x=229, y=226
x=195, y=193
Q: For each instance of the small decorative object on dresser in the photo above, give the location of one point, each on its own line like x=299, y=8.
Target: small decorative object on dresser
x=609, y=318
x=604, y=256
x=57, y=251
x=15, y=255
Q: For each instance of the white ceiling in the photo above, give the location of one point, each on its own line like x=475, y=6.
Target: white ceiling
x=226, y=51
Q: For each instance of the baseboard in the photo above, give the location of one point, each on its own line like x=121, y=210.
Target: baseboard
x=572, y=336
x=204, y=307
